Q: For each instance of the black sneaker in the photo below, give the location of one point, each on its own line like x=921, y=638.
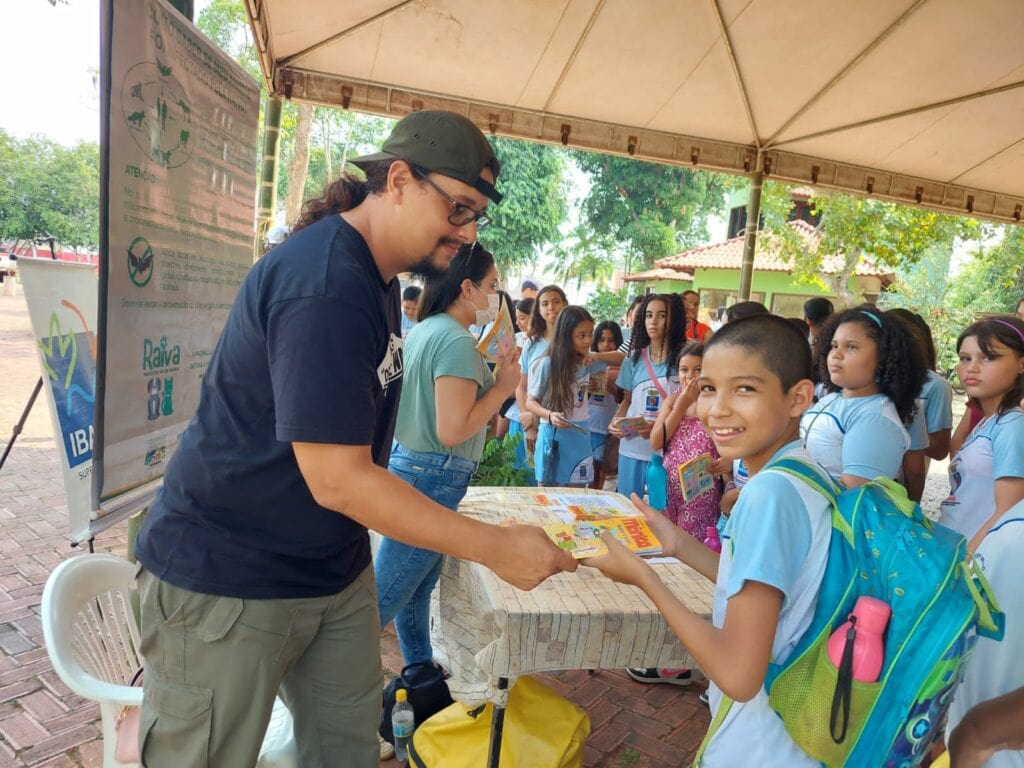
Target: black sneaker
x=660, y=675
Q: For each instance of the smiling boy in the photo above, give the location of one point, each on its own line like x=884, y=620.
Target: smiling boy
x=754, y=386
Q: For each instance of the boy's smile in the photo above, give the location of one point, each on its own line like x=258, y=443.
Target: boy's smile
x=743, y=407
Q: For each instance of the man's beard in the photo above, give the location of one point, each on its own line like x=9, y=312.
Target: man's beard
x=426, y=269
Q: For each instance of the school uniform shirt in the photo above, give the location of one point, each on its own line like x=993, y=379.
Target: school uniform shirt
x=937, y=394
x=602, y=404
x=575, y=455
x=918, y=427
x=994, y=449
x=739, y=473
x=407, y=325
x=860, y=436
x=532, y=350
x=777, y=535
x=994, y=668
x=646, y=400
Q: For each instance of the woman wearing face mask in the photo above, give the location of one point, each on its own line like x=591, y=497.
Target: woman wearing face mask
x=448, y=397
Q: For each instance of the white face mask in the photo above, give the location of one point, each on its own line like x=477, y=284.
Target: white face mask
x=489, y=315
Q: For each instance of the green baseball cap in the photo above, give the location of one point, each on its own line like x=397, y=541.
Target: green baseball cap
x=441, y=142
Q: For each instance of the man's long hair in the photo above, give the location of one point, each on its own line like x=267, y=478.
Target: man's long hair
x=344, y=194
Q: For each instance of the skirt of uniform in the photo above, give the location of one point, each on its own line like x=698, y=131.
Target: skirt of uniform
x=563, y=456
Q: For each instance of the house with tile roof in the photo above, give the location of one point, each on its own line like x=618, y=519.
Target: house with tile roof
x=714, y=272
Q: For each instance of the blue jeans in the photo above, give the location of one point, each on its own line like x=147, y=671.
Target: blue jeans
x=406, y=575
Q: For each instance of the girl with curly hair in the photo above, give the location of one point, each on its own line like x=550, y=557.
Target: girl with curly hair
x=872, y=370
x=986, y=475
x=646, y=379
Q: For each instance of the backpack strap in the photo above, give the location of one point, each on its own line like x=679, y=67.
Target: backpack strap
x=716, y=723
x=820, y=482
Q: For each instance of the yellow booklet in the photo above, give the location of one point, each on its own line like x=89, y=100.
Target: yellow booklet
x=500, y=337
x=695, y=477
x=583, y=539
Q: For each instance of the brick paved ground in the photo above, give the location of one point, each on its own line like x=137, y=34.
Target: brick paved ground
x=43, y=724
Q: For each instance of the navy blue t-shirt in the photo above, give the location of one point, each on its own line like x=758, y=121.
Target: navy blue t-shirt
x=311, y=352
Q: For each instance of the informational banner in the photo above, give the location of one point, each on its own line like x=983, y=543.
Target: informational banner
x=61, y=300
x=179, y=144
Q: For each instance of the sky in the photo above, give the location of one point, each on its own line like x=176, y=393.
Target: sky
x=50, y=57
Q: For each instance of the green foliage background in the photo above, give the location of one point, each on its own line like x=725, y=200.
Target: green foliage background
x=47, y=188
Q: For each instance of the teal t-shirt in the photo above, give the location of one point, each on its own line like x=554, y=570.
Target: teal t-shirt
x=437, y=347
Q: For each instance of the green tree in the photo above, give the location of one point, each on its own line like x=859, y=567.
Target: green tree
x=533, y=181
x=855, y=228
x=49, y=189
x=226, y=24
x=650, y=210
x=608, y=305
x=585, y=254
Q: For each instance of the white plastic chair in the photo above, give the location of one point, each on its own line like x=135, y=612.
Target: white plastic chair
x=93, y=641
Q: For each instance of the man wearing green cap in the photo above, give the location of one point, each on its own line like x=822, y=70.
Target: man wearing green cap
x=255, y=573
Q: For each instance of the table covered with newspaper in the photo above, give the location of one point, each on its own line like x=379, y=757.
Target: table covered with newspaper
x=484, y=629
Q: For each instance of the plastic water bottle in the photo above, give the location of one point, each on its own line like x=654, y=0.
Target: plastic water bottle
x=657, y=483
x=866, y=626
x=711, y=540
x=402, y=724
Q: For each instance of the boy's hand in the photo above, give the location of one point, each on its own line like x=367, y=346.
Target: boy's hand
x=619, y=564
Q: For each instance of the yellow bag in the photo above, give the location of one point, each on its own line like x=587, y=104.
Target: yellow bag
x=542, y=730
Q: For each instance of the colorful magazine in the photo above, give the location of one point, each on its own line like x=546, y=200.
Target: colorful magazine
x=630, y=426
x=583, y=539
x=500, y=337
x=695, y=477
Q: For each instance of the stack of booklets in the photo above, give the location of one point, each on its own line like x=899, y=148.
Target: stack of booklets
x=583, y=539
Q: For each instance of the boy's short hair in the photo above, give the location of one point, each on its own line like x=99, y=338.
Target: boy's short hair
x=782, y=348
x=411, y=293
x=745, y=309
x=817, y=309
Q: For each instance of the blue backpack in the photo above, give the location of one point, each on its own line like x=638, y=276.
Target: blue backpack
x=881, y=546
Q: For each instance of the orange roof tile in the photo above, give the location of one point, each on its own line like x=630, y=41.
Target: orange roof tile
x=729, y=255
x=659, y=274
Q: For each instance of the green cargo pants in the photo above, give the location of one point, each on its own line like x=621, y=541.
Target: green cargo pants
x=214, y=665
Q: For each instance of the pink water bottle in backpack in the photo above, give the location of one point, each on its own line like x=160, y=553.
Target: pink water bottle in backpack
x=859, y=641
x=711, y=540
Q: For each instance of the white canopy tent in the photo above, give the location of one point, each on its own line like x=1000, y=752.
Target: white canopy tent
x=915, y=101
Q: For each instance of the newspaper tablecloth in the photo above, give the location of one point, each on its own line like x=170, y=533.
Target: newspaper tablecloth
x=488, y=629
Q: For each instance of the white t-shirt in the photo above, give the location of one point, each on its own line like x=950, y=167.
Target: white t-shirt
x=646, y=400
x=860, y=436
x=994, y=449
x=994, y=668
x=778, y=535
